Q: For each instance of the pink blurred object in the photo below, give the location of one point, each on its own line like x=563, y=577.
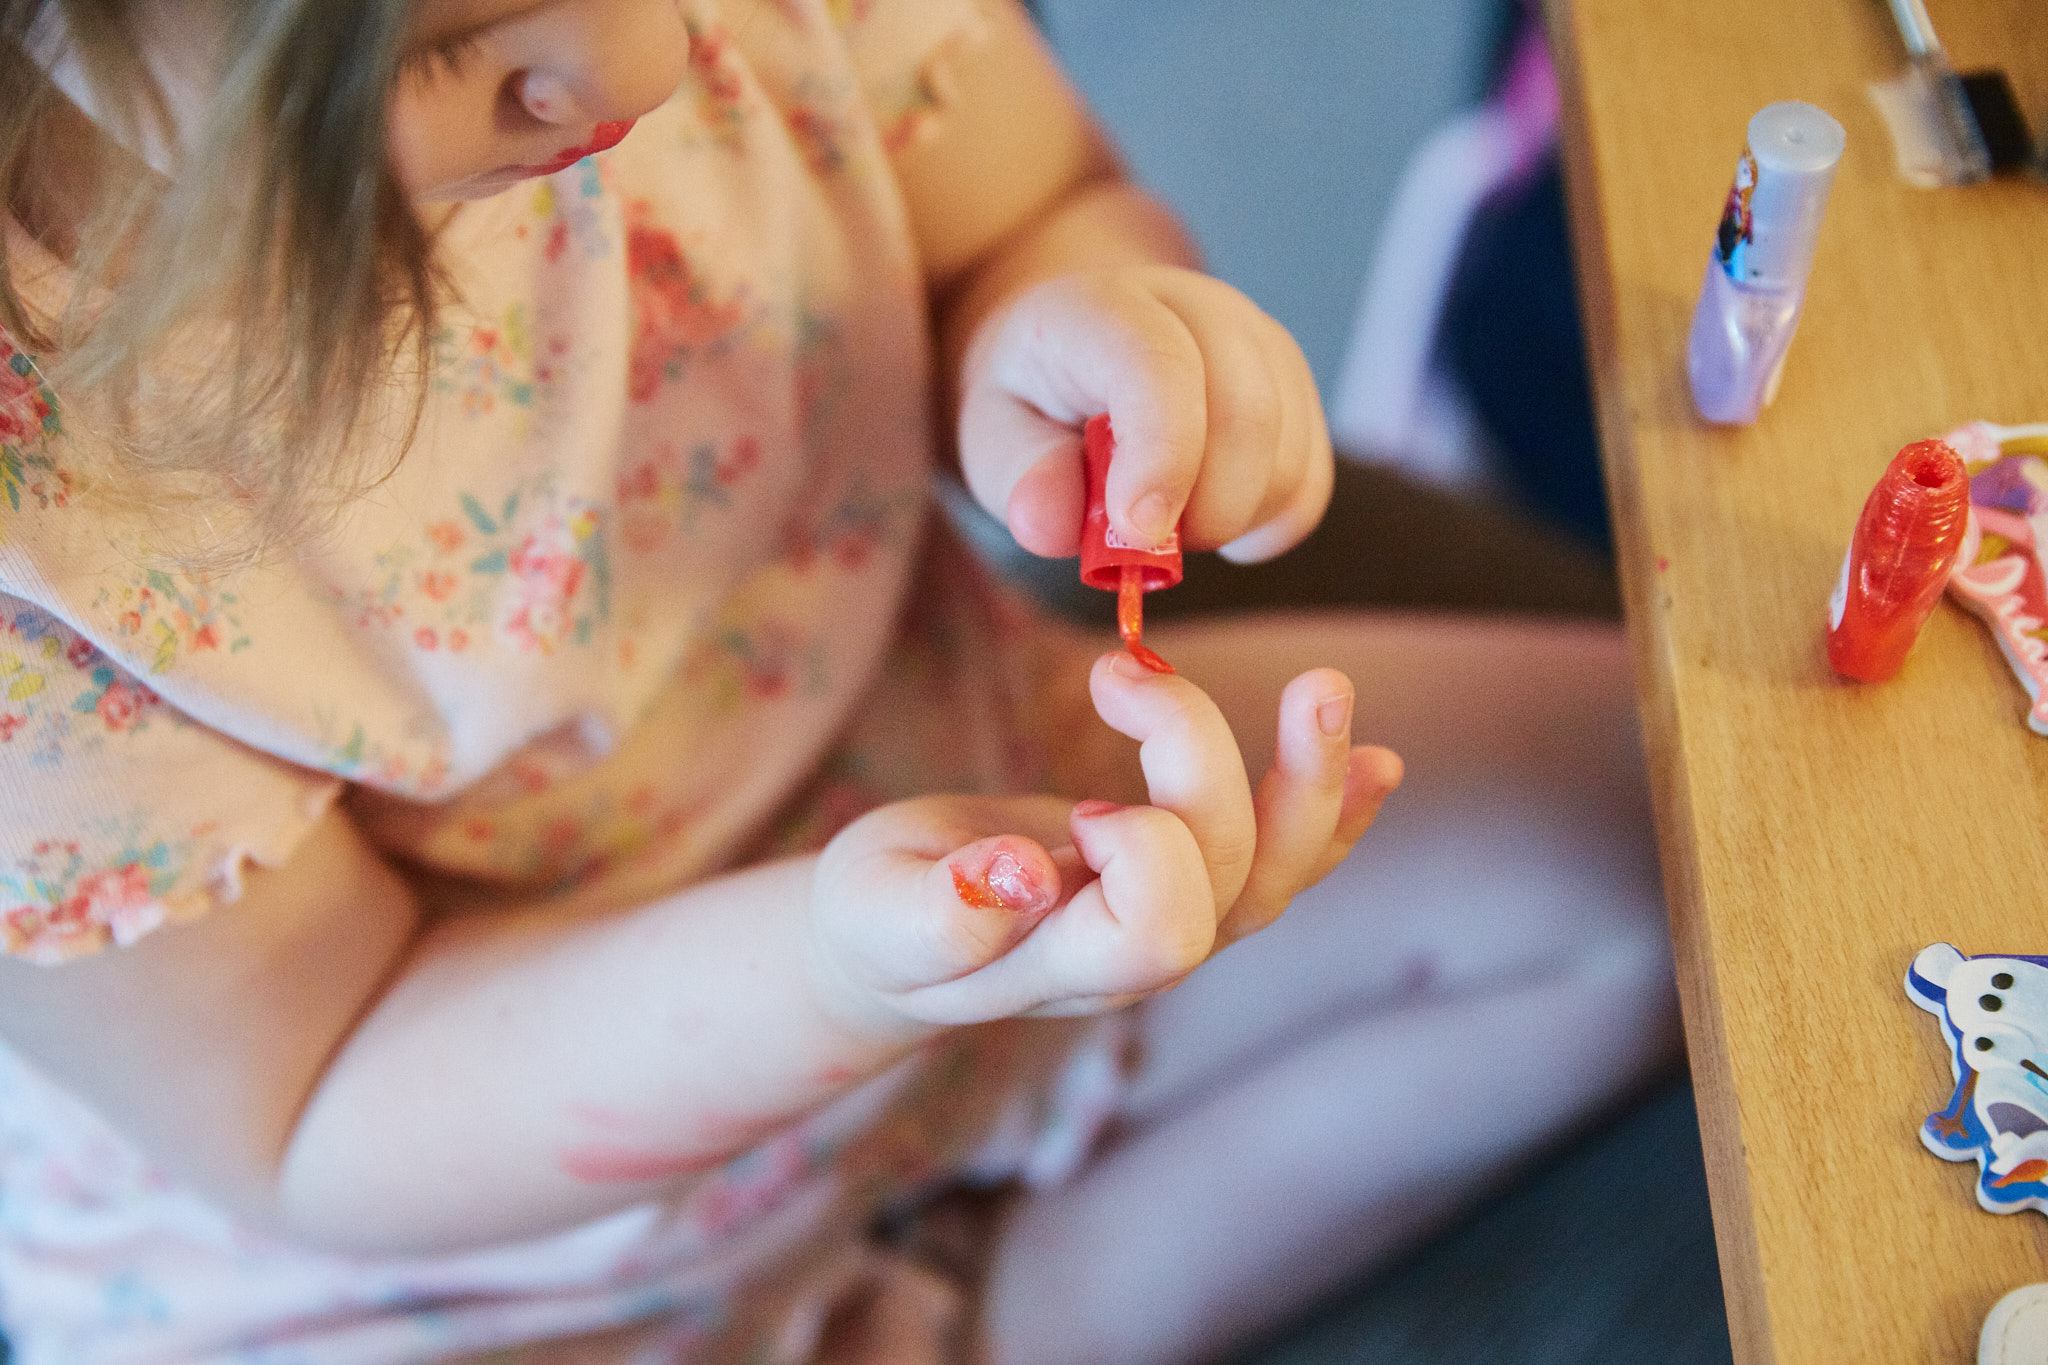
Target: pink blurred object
x=1387, y=399
x=1998, y=575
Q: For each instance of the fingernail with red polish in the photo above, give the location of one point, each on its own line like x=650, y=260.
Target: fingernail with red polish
x=1012, y=882
x=1124, y=666
x=1008, y=883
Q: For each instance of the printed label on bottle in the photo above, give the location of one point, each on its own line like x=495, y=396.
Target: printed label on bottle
x=1738, y=226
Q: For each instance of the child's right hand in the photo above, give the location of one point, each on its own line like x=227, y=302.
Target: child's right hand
x=956, y=910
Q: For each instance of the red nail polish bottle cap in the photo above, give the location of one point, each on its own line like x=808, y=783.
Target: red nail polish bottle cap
x=1104, y=554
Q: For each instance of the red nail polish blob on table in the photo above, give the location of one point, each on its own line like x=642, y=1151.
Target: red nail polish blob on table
x=1906, y=543
x=1113, y=564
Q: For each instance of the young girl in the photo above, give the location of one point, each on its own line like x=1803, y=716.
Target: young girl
x=522, y=839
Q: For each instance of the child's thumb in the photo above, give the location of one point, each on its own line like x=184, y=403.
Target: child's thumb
x=978, y=902
x=912, y=922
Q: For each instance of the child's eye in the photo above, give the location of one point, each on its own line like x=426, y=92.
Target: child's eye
x=445, y=58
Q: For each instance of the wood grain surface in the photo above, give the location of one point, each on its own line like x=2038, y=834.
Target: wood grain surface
x=1815, y=833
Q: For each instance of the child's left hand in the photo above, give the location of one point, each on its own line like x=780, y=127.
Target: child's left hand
x=1218, y=426
x=1101, y=904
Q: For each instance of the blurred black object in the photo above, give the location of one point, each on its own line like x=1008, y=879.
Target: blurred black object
x=1511, y=335
x=1997, y=111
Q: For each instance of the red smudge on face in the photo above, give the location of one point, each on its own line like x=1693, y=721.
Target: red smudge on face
x=1130, y=618
x=607, y=1164
x=602, y=139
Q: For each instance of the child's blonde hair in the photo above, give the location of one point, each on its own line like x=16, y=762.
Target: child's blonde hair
x=230, y=327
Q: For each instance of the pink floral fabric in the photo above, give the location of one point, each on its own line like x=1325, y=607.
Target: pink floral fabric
x=666, y=499
x=672, y=469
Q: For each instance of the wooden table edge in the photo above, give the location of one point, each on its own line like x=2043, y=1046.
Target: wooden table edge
x=1720, y=1120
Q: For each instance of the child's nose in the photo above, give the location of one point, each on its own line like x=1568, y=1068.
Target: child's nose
x=625, y=60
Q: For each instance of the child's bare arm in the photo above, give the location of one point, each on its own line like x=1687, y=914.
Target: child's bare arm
x=1015, y=150
x=329, y=1064
x=203, y=1040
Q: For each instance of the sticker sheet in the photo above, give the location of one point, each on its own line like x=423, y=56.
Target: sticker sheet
x=1999, y=575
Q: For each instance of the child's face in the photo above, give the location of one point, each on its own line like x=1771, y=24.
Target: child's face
x=492, y=91
x=498, y=91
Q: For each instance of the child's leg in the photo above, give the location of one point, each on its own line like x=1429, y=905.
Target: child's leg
x=1489, y=967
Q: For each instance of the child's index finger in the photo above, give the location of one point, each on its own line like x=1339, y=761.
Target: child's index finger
x=1190, y=759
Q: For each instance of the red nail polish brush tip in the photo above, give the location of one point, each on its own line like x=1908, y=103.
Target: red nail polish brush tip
x=1111, y=563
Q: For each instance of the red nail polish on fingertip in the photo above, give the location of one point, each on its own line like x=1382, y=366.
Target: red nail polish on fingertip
x=1006, y=884
x=1013, y=885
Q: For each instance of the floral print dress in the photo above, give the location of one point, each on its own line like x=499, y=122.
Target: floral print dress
x=667, y=498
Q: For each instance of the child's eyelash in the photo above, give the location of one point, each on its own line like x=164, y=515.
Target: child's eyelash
x=445, y=58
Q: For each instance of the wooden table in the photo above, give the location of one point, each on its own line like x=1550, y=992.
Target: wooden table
x=1815, y=834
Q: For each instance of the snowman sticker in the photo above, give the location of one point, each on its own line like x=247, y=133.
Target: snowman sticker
x=1995, y=1010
